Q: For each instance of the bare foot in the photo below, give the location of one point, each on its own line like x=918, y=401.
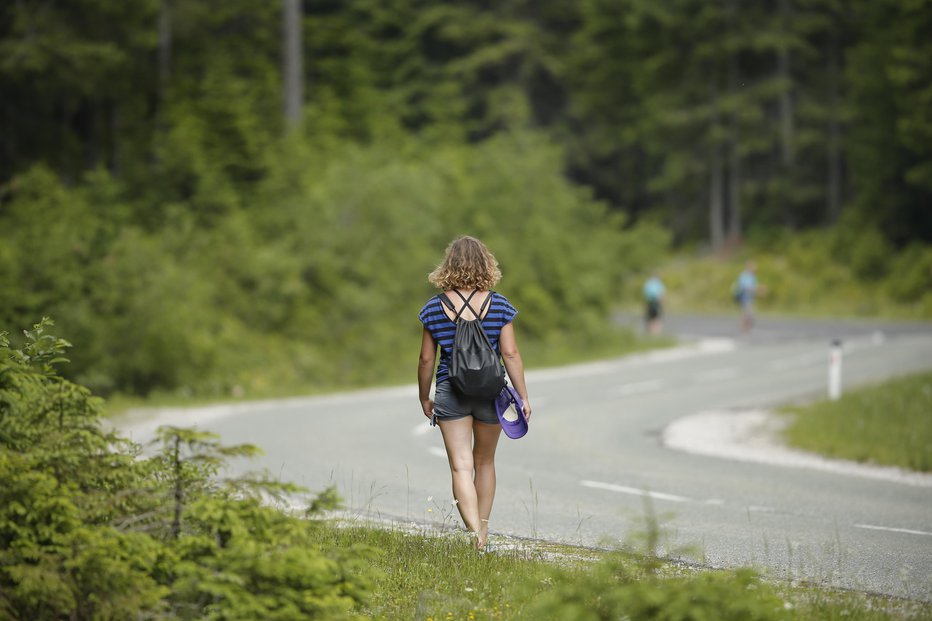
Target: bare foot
x=474, y=539
x=483, y=535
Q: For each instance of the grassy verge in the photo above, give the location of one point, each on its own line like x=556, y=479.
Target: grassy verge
x=439, y=578
x=611, y=344
x=887, y=424
x=802, y=278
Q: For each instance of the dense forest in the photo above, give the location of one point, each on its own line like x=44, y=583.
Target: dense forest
x=195, y=189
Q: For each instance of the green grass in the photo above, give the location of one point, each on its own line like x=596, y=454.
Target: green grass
x=796, y=280
x=438, y=577
x=610, y=344
x=887, y=424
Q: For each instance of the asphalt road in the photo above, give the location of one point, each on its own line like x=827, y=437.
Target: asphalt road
x=594, y=457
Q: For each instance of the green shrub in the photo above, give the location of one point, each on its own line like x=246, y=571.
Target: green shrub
x=91, y=529
x=313, y=278
x=911, y=276
x=865, y=250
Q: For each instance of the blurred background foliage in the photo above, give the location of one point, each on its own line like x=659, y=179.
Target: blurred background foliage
x=190, y=236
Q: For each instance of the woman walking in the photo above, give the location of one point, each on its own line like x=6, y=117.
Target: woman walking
x=469, y=425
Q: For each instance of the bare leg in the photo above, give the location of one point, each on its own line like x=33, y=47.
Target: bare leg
x=457, y=438
x=747, y=318
x=484, y=459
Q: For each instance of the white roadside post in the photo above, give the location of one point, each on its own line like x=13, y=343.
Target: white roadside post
x=834, y=371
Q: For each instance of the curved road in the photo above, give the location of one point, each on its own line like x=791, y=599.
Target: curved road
x=594, y=454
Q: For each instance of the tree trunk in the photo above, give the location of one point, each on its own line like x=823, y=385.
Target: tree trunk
x=114, y=123
x=734, y=159
x=734, y=189
x=716, y=188
x=716, y=206
x=90, y=126
x=165, y=47
x=292, y=70
x=833, y=188
x=787, y=124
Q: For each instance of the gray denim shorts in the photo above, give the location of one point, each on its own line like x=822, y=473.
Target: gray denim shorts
x=450, y=405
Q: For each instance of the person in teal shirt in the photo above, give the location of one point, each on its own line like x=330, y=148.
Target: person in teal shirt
x=746, y=291
x=653, y=297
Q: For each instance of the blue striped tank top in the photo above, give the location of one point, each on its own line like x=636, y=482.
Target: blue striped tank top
x=501, y=313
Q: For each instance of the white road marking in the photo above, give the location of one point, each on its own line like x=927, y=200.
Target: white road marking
x=636, y=388
x=908, y=531
x=704, y=346
x=801, y=360
x=621, y=489
x=717, y=375
x=633, y=491
x=436, y=451
x=864, y=342
x=821, y=356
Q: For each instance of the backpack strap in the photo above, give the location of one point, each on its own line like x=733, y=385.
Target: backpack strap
x=482, y=308
x=446, y=301
x=449, y=304
x=488, y=300
x=466, y=303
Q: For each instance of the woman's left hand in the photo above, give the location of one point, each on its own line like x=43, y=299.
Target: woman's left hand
x=428, y=406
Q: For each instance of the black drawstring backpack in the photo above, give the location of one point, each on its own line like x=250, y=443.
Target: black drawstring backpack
x=475, y=367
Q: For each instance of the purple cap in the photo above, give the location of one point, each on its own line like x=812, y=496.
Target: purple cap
x=510, y=410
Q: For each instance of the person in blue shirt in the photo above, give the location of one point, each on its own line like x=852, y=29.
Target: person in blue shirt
x=747, y=289
x=469, y=425
x=653, y=297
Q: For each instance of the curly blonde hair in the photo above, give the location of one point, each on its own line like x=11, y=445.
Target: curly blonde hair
x=467, y=264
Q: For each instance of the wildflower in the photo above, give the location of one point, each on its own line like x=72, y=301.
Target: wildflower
x=469, y=590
